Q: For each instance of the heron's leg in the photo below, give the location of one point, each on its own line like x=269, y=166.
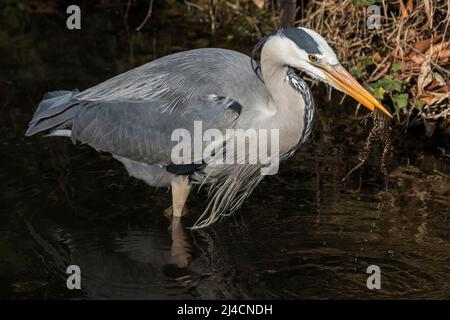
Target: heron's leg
x=181, y=247
x=168, y=212
x=180, y=193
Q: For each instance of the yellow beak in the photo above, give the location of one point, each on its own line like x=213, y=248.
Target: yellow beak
x=344, y=81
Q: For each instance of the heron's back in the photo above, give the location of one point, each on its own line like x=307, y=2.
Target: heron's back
x=177, y=79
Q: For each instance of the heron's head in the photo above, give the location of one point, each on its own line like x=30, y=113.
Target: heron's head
x=306, y=50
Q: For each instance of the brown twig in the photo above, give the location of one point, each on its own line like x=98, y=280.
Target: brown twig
x=149, y=14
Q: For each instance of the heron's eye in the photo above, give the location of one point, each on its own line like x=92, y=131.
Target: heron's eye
x=312, y=58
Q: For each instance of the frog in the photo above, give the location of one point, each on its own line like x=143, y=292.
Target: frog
x=381, y=132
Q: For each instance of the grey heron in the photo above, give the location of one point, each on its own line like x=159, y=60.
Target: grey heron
x=133, y=115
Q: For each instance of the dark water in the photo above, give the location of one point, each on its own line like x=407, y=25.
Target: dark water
x=302, y=234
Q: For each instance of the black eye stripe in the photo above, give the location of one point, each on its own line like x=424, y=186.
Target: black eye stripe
x=302, y=39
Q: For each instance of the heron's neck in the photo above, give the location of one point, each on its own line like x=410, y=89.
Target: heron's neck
x=291, y=98
x=283, y=97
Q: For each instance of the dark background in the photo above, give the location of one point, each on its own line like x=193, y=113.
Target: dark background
x=302, y=234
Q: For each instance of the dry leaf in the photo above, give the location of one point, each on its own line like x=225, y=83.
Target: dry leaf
x=411, y=34
x=418, y=59
x=403, y=9
x=423, y=45
x=377, y=57
x=425, y=77
x=427, y=99
x=444, y=54
x=440, y=49
x=437, y=77
x=435, y=98
x=406, y=10
x=259, y=3
x=436, y=48
x=432, y=50
x=410, y=6
x=439, y=97
x=434, y=85
x=445, y=89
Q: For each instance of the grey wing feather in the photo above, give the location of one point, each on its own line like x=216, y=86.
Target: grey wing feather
x=133, y=115
x=55, y=110
x=139, y=131
x=153, y=175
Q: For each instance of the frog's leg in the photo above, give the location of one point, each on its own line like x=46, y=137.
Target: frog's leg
x=364, y=154
x=387, y=145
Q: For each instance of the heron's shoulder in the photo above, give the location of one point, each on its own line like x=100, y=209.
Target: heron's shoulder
x=201, y=59
x=180, y=78
x=207, y=52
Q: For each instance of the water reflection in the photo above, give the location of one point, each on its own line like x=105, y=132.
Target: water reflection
x=137, y=263
x=295, y=249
